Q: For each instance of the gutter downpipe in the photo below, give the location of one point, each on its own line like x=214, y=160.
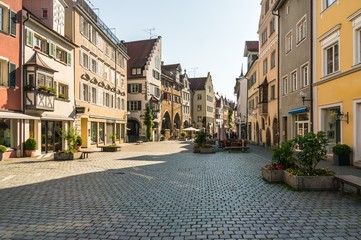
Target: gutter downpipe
x=278, y=76
x=311, y=66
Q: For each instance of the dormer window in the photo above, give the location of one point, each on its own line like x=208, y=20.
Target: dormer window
x=45, y=13
x=136, y=71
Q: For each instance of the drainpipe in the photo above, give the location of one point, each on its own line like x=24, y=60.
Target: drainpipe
x=22, y=101
x=278, y=77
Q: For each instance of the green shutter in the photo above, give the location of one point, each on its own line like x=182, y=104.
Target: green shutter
x=52, y=49
x=29, y=38
x=12, y=75
x=12, y=22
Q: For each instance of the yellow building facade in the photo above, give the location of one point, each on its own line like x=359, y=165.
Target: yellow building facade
x=337, y=75
x=267, y=117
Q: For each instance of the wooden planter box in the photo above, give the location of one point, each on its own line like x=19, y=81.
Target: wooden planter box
x=66, y=156
x=272, y=175
x=207, y=150
x=309, y=182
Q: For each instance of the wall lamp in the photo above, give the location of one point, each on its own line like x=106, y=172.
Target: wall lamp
x=340, y=116
x=303, y=96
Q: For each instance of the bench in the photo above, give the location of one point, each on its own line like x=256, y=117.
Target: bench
x=139, y=142
x=235, y=145
x=85, y=153
x=348, y=179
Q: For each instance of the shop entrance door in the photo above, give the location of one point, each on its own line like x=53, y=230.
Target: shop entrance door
x=51, y=136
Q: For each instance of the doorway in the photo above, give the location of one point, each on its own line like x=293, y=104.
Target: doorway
x=51, y=136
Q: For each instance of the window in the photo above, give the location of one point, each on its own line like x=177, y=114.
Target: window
x=331, y=56
x=294, y=81
x=113, y=54
x=285, y=85
x=122, y=81
x=93, y=132
x=44, y=13
x=209, y=109
x=136, y=71
x=199, y=107
x=12, y=23
x=3, y=73
x=301, y=30
x=8, y=20
x=84, y=59
x=358, y=45
x=273, y=59
x=304, y=75
x=1, y=19
x=156, y=74
x=288, y=45
x=112, y=76
x=107, y=99
x=264, y=36
x=273, y=92
x=265, y=67
x=63, y=91
x=85, y=93
x=199, y=119
x=107, y=49
x=94, y=65
x=62, y=55
x=272, y=26
x=356, y=23
x=328, y=3
x=134, y=105
x=106, y=72
x=7, y=74
x=85, y=27
x=199, y=96
x=99, y=41
x=40, y=43
x=94, y=95
x=134, y=88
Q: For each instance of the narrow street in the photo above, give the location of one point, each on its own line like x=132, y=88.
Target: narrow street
x=165, y=191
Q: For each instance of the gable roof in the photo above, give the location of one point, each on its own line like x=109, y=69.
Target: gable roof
x=197, y=83
x=139, y=52
x=250, y=46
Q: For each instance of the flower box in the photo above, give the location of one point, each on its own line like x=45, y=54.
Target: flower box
x=309, y=182
x=272, y=175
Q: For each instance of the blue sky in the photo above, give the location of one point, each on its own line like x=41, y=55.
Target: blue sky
x=208, y=35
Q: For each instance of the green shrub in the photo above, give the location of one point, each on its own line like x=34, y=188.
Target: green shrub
x=183, y=134
x=30, y=144
x=283, y=154
x=79, y=141
x=2, y=149
x=313, y=149
x=201, y=138
x=310, y=172
x=341, y=149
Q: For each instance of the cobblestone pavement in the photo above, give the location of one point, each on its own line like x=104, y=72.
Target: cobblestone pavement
x=164, y=191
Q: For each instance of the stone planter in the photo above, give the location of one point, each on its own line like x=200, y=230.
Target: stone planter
x=341, y=160
x=66, y=156
x=272, y=175
x=207, y=150
x=309, y=182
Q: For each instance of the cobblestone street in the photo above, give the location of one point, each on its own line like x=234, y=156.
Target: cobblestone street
x=164, y=191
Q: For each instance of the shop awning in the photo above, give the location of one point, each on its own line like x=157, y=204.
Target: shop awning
x=57, y=118
x=298, y=110
x=15, y=115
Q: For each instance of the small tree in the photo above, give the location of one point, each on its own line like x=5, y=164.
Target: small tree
x=201, y=138
x=313, y=150
x=149, y=123
x=72, y=137
x=30, y=144
x=283, y=154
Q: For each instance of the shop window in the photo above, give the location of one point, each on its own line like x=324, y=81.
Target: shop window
x=5, y=132
x=101, y=132
x=93, y=132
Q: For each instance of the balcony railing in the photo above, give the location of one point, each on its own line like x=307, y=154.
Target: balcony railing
x=39, y=100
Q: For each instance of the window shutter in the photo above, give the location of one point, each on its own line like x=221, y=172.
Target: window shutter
x=12, y=75
x=29, y=38
x=139, y=105
x=81, y=91
x=128, y=88
x=68, y=58
x=81, y=27
x=51, y=49
x=140, y=88
x=81, y=58
x=128, y=103
x=12, y=22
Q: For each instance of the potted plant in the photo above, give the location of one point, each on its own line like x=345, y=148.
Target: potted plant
x=78, y=143
x=201, y=142
x=183, y=135
x=305, y=175
x=282, y=158
x=30, y=147
x=2, y=152
x=71, y=152
x=341, y=154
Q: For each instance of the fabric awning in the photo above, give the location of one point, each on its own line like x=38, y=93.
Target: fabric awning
x=57, y=118
x=298, y=110
x=16, y=115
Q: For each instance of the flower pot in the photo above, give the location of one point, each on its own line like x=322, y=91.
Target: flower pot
x=2, y=156
x=271, y=175
x=29, y=153
x=309, y=182
x=341, y=160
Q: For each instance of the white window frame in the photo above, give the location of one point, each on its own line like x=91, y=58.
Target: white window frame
x=288, y=42
x=4, y=72
x=285, y=85
x=5, y=18
x=301, y=30
x=329, y=39
x=305, y=76
x=294, y=81
x=326, y=5
x=335, y=61
x=356, y=27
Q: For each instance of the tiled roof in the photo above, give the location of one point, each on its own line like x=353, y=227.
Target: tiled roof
x=197, y=83
x=252, y=46
x=139, y=52
x=36, y=60
x=171, y=67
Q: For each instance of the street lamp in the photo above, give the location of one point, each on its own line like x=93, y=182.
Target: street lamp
x=303, y=96
x=340, y=116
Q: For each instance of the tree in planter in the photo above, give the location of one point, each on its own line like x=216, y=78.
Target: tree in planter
x=72, y=137
x=30, y=147
x=282, y=155
x=312, y=150
x=201, y=138
x=149, y=123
